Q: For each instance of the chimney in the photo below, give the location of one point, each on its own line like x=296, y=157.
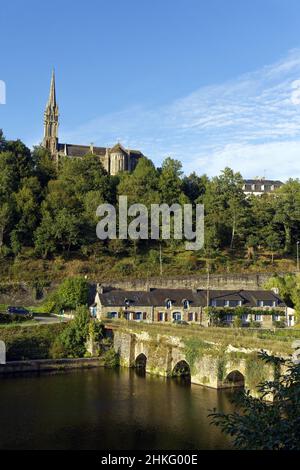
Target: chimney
x=99, y=288
x=275, y=290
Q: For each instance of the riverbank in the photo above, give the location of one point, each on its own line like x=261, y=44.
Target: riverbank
x=48, y=365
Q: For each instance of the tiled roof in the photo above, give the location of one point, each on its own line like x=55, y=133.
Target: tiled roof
x=158, y=297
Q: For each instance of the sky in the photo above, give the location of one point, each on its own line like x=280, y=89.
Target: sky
x=212, y=83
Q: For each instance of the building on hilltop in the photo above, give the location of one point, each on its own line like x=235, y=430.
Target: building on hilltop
x=259, y=186
x=114, y=159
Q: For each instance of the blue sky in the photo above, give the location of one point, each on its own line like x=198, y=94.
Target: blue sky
x=212, y=83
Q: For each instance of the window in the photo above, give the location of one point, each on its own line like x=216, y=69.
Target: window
x=245, y=317
x=127, y=302
x=276, y=317
x=138, y=316
x=177, y=316
x=168, y=303
x=186, y=304
x=228, y=318
x=191, y=316
x=160, y=316
x=112, y=315
x=265, y=303
x=232, y=303
x=258, y=317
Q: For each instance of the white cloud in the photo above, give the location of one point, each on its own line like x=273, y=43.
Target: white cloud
x=251, y=123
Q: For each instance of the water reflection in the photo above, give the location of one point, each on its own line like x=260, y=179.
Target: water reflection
x=108, y=409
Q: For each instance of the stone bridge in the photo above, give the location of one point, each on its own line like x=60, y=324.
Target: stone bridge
x=169, y=356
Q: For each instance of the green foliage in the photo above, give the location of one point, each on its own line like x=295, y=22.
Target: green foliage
x=72, y=341
x=14, y=318
x=262, y=425
x=53, y=210
x=289, y=289
x=111, y=358
x=221, y=367
x=193, y=349
x=71, y=293
x=30, y=342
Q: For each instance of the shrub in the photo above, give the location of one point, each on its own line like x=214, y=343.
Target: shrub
x=71, y=293
x=279, y=324
x=111, y=358
x=30, y=342
x=72, y=341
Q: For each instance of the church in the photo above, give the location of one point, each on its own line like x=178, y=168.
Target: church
x=114, y=159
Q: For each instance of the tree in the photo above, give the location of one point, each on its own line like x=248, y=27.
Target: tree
x=194, y=186
x=72, y=292
x=45, y=167
x=72, y=341
x=287, y=211
x=272, y=242
x=170, y=183
x=264, y=425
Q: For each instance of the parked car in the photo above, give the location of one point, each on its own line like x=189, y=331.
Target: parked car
x=18, y=311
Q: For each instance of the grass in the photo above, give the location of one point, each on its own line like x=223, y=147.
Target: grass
x=277, y=342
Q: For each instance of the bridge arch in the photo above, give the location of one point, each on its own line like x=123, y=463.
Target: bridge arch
x=141, y=362
x=234, y=379
x=181, y=369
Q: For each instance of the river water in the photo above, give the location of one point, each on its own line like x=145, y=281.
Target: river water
x=108, y=409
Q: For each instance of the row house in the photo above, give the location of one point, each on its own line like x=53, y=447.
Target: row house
x=189, y=305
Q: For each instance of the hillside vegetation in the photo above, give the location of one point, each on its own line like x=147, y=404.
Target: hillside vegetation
x=48, y=220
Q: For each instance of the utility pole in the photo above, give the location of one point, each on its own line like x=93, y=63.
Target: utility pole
x=160, y=260
x=208, y=281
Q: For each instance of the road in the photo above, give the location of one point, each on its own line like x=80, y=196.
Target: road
x=51, y=319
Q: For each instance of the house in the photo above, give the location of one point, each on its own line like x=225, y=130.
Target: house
x=259, y=186
x=198, y=306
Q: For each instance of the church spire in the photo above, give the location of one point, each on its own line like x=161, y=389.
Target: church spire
x=52, y=94
x=51, y=121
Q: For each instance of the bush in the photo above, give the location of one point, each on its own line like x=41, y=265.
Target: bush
x=279, y=324
x=30, y=342
x=71, y=293
x=111, y=358
x=237, y=322
x=72, y=341
x=255, y=324
x=14, y=318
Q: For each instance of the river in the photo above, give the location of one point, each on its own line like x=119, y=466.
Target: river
x=108, y=409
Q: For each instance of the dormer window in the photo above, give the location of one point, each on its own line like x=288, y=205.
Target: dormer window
x=186, y=304
x=168, y=303
x=127, y=303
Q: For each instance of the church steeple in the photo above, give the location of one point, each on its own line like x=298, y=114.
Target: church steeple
x=51, y=120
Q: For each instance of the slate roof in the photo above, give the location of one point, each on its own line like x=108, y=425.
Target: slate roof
x=263, y=181
x=74, y=150
x=249, y=298
x=80, y=150
x=158, y=297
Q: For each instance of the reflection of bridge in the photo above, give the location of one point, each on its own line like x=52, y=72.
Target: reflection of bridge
x=168, y=356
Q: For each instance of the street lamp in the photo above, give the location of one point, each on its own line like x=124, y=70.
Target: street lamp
x=298, y=255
